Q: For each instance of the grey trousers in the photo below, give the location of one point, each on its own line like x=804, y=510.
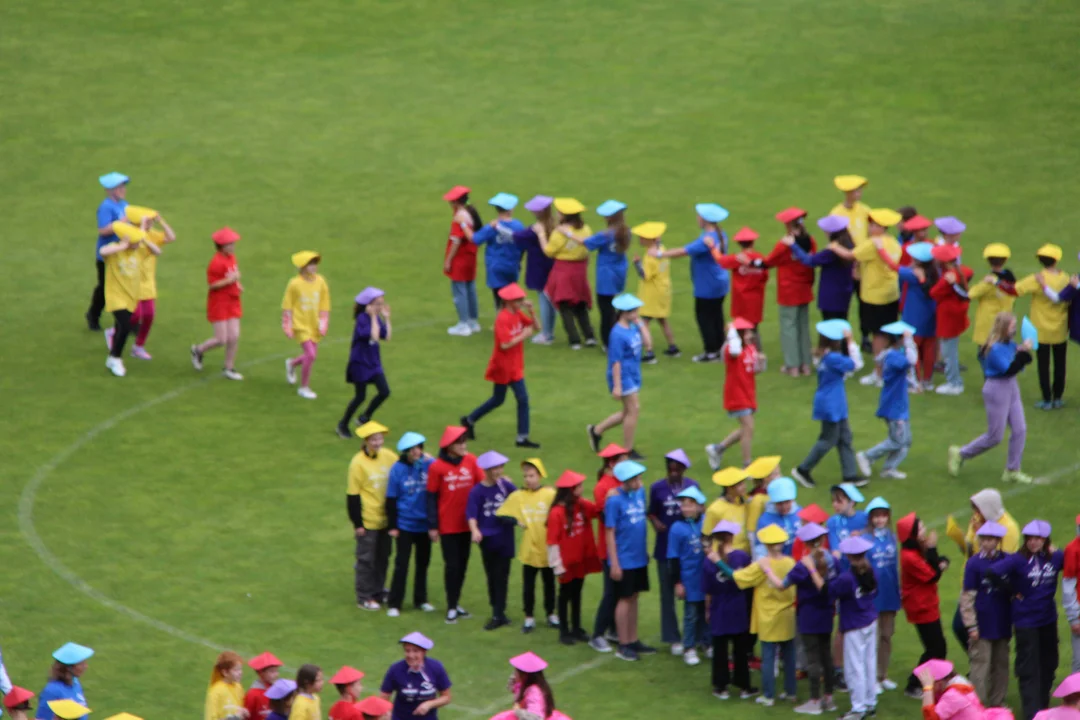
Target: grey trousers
x=990, y=670
x=669, y=623
x=372, y=562
x=833, y=435
x=795, y=335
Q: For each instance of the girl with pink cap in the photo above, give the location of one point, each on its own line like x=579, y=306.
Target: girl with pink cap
x=533, y=699
x=1069, y=692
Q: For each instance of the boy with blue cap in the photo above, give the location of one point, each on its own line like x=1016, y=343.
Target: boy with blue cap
x=502, y=256
x=109, y=211
x=406, y=513
x=70, y=664
x=896, y=363
x=784, y=514
x=684, y=556
x=626, y=535
x=610, y=245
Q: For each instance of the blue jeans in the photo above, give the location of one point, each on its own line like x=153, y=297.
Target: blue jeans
x=498, y=396
x=769, y=653
x=894, y=447
x=465, y=301
x=950, y=353
x=547, y=316
x=695, y=628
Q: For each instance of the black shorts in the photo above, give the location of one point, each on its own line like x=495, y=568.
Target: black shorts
x=833, y=315
x=633, y=582
x=876, y=317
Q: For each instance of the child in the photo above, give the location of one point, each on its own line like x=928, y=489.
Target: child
x=814, y=616
x=365, y=500
x=568, y=283
x=854, y=591
x=846, y=520
x=783, y=514
x=729, y=616
x=920, y=570
x=654, y=284
x=225, y=695
x=406, y=513
x=494, y=534
x=627, y=540
x=267, y=667
x=893, y=403
x=731, y=505
x=17, y=702
x=1052, y=321
x=123, y=260
x=879, y=291
x=951, y=294
x=143, y=319
x=281, y=695
x=374, y=707
x=913, y=230
x=459, y=261
x=794, y=290
x=858, y=216
x=664, y=511
x=308, y=704
x=571, y=551
x=749, y=276
x=920, y=309
x=945, y=694
x=223, y=308
x=743, y=361
x=1069, y=573
x=450, y=478
x=611, y=245
x=1068, y=295
x=836, y=262
x=371, y=330
x=502, y=257
x=684, y=558
x=951, y=229
x=305, y=317
x=347, y=681
x=830, y=402
x=507, y=365
x=764, y=471
x=533, y=698
x=530, y=506
x=537, y=264
x=604, y=624
x=995, y=293
x=885, y=559
x=987, y=616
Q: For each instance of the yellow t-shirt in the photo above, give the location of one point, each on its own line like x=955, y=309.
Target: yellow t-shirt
x=306, y=707
x=122, y=278
x=368, y=478
x=879, y=284
x=989, y=301
x=773, y=616
x=723, y=509
x=655, y=288
x=1010, y=543
x=858, y=220
x=148, y=266
x=1049, y=318
x=306, y=299
x=561, y=247
x=530, y=508
x=224, y=699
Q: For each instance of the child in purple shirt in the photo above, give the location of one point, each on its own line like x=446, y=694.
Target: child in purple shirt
x=985, y=609
x=854, y=591
x=493, y=533
x=729, y=613
x=814, y=615
x=537, y=264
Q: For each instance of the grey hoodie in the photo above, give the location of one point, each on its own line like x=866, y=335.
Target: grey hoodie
x=989, y=503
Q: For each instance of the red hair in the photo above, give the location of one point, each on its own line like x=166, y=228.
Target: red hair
x=225, y=661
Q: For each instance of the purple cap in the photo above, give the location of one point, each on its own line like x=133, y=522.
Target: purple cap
x=833, y=223
x=949, y=225
x=538, y=203
x=419, y=640
x=1037, y=528
x=491, y=459
x=679, y=456
x=368, y=295
x=992, y=529
x=855, y=545
x=280, y=689
x=727, y=526
x=810, y=531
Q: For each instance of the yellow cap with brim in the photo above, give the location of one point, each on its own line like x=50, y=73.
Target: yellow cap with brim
x=885, y=217
x=998, y=250
x=124, y=716
x=136, y=213
x=370, y=428
x=847, y=183
x=538, y=464
x=763, y=467
x=650, y=230
x=155, y=236
x=772, y=535
x=569, y=206
x=729, y=476
x=129, y=232
x=68, y=709
x=302, y=259
x=1049, y=250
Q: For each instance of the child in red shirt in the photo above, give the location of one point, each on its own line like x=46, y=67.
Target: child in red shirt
x=1069, y=575
x=749, y=275
x=459, y=261
x=450, y=478
x=347, y=681
x=223, y=308
x=606, y=482
x=255, y=702
x=794, y=292
x=743, y=361
x=951, y=294
x=571, y=551
x=507, y=365
x=920, y=570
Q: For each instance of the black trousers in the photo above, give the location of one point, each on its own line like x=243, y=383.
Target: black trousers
x=1043, y=354
x=819, y=663
x=574, y=314
x=383, y=391
x=97, y=297
x=1036, y=664
x=497, y=571
x=121, y=328
x=932, y=638
x=710, y=321
x=740, y=656
x=605, y=611
x=528, y=589
x=570, y=606
x=455, y=554
x=406, y=541
x=607, y=316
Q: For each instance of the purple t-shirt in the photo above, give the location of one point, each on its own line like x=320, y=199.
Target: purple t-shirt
x=729, y=612
x=365, y=362
x=537, y=264
x=412, y=687
x=856, y=607
x=481, y=506
x=814, y=608
x=664, y=505
x=1033, y=583
x=993, y=606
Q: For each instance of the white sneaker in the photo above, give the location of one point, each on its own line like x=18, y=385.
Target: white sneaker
x=762, y=700
x=108, y=335
x=474, y=326
x=716, y=455
x=196, y=357
x=677, y=649
x=427, y=607
x=878, y=689
x=948, y=389
x=232, y=374
x=393, y=612
x=306, y=393
x=864, y=464
x=553, y=620
x=115, y=366
x=599, y=644
x=690, y=657
x=888, y=684
x=870, y=378
x=810, y=707
x=540, y=339
x=290, y=372
x=893, y=474
x=927, y=386
x=708, y=652
x=461, y=330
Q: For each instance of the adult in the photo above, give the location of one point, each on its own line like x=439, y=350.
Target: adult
x=537, y=264
x=568, y=283
x=664, y=510
x=459, y=261
x=371, y=329
x=502, y=256
x=533, y=698
x=794, y=290
x=267, y=667
x=109, y=211
x=418, y=684
x=626, y=535
x=69, y=664
x=879, y=286
x=610, y=245
x=407, y=523
x=365, y=500
x=223, y=308
x=858, y=215
x=450, y=478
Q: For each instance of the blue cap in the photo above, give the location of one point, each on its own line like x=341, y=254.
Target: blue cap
x=504, y=201
x=628, y=469
x=878, y=503
x=410, y=440
x=921, y=251
x=113, y=180
x=72, y=654
x=833, y=329
x=711, y=212
x=850, y=490
x=693, y=493
x=1028, y=332
x=898, y=328
x=281, y=688
x=610, y=207
x=626, y=302
x=781, y=490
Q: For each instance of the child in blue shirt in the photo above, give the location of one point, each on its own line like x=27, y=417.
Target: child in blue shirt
x=920, y=310
x=885, y=559
x=610, y=245
x=685, y=561
x=895, y=363
x=783, y=513
x=626, y=534
x=846, y=520
x=502, y=256
x=406, y=514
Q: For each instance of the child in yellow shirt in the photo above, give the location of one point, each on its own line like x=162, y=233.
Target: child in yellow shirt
x=122, y=259
x=308, y=704
x=160, y=236
x=731, y=505
x=225, y=696
x=995, y=293
x=305, y=317
x=1051, y=320
x=654, y=285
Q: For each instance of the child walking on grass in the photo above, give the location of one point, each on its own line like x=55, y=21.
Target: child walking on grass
x=305, y=318
x=893, y=408
x=743, y=361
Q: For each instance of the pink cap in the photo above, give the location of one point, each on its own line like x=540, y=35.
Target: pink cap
x=528, y=662
x=1068, y=686
x=939, y=669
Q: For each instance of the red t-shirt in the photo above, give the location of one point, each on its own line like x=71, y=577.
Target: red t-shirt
x=463, y=266
x=747, y=286
x=794, y=281
x=1072, y=559
x=603, y=486
x=453, y=483
x=918, y=590
x=952, y=309
x=222, y=303
x=576, y=544
x=344, y=710
x=507, y=366
x=740, y=381
x=256, y=704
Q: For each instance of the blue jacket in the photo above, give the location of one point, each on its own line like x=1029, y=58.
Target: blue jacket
x=893, y=402
x=610, y=263
x=830, y=399
x=407, y=488
x=502, y=256
x=920, y=310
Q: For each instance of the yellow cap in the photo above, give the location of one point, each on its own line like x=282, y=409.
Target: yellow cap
x=772, y=535
x=729, y=476
x=650, y=230
x=124, y=716
x=847, y=183
x=1000, y=250
x=68, y=709
x=155, y=236
x=370, y=428
x=1049, y=250
x=763, y=467
x=126, y=231
x=885, y=217
x=538, y=464
x=301, y=259
x=136, y=213
x=569, y=206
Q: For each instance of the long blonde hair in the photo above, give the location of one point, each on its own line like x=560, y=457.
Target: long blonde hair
x=999, y=331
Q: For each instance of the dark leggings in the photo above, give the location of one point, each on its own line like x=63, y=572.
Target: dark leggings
x=406, y=541
x=605, y=611
x=528, y=589
x=819, y=663
x=498, y=300
x=1043, y=355
x=722, y=675
x=574, y=314
x=383, y=392
x=1036, y=664
x=455, y=551
x=570, y=606
x=933, y=641
x=710, y=319
x=607, y=316
x=97, y=297
x=497, y=571
x=121, y=330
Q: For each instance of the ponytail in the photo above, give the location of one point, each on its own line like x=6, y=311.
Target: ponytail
x=621, y=232
x=473, y=213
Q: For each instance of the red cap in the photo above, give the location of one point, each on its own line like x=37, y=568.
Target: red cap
x=742, y=324
x=1078, y=519
x=905, y=526
x=225, y=235
x=375, y=706
x=346, y=675
x=917, y=222
x=612, y=450
x=451, y=435
x=510, y=292
x=261, y=662
x=456, y=193
x=569, y=479
x=745, y=234
x=790, y=215
x=813, y=513
x=17, y=697
x=946, y=253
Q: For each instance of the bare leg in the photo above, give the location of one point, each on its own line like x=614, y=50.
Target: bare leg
x=631, y=410
x=632, y=630
x=220, y=335
x=232, y=342
x=622, y=621
x=666, y=327
x=746, y=438
x=612, y=420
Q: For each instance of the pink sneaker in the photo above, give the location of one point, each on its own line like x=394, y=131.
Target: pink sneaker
x=139, y=352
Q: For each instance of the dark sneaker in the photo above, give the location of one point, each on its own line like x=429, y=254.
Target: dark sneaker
x=803, y=477
x=635, y=455
x=496, y=623
x=649, y=358
x=91, y=324
x=527, y=443
x=580, y=635
x=343, y=432
x=470, y=433
x=626, y=652
x=642, y=649
x=594, y=438
x=567, y=639
x=673, y=351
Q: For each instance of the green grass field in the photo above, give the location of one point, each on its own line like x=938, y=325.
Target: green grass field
x=163, y=516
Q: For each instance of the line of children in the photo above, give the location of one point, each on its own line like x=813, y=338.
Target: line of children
x=836, y=261
x=749, y=275
x=305, y=318
x=568, y=282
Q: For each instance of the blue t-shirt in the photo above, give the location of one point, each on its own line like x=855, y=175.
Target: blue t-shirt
x=108, y=212
x=684, y=543
x=408, y=484
x=624, y=347
x=790, y=523
x=624, y=512
x=830, y=399
x=56, y=690
x=893, y=402
x=610, y=263
x=502, y=256
x=709, y=279
x=920, y=310
x=997, y=359
x=412, y=687
x=885, y=558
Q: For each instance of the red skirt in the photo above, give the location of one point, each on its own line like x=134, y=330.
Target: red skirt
x=569, y=282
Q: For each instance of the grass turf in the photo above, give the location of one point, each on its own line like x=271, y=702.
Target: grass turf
x=215, y=508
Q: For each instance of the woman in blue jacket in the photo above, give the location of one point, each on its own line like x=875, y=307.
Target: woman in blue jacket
x=610, y=245
x=502, y=256
x=406, y=513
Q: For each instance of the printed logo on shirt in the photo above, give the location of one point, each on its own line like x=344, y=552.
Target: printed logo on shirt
x=695, y=543
x=492, y=504
x=416, y=694
x=415, y=484
x=458, y=479
x=128, y=265
x=635, y=509
x=1039, y=574
x=535, y=514
x=309, y=303
x=578, y=526
x=750, y=270
x=503, y=234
